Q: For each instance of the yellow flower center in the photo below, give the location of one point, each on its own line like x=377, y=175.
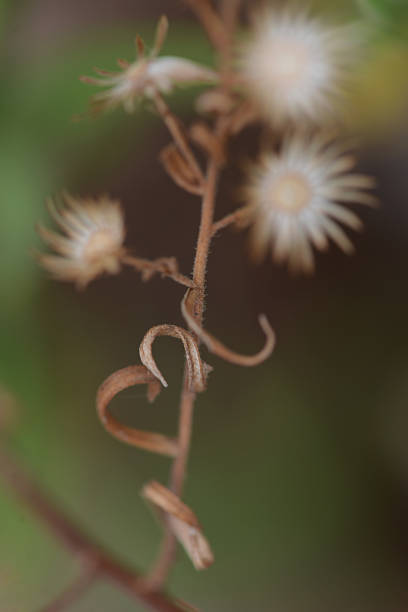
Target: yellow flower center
x=101, y=243
x=290, y=193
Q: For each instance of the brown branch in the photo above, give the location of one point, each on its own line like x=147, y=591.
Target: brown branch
x=74, y=591
x=75, y=540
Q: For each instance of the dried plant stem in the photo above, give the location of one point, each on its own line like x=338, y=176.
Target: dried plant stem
x=161, y=569
x=205, y=232
x=165, y=560
x=74, y=539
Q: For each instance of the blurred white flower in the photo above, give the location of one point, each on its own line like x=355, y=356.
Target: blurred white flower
x=147, y=75
x=292, y=200
x=93, y=241
x=295, y=66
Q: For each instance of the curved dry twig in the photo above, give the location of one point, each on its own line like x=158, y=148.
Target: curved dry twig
x=197, y=369
x=118, y=381
x=219, y=349
x=183, y=522
x=166, y=266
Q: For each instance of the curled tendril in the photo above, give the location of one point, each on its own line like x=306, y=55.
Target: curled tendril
x=118, y=381
x=197, y=369
x=183, y=523
x=219, y=349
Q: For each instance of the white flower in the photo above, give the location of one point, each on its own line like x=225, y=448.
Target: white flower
x=293, y=200
x=93, y=241
x=295, y=66
x=147, y=75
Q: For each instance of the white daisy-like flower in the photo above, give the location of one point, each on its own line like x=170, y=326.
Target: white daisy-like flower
x=296, y=67
x=147, y=75
x=93, y=241
x=293, y=200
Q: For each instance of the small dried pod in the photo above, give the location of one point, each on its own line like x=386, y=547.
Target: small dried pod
x=183, y=523
x=114, y=384
x=197, y=369
x=219, y=349
x=207, y=141
x=215, y=101
x=179, y=170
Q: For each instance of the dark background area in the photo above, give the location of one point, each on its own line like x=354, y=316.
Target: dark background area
x=299, y=468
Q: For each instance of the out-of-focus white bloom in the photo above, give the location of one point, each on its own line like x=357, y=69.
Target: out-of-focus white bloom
x=295, y=66
x=293, y=199
x=147, y=75
x=93, y=241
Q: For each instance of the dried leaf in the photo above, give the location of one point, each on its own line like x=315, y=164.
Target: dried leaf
x=197, y=372
x=179, y=170
x=118, y=381
x=202, y=136
x=183, y=523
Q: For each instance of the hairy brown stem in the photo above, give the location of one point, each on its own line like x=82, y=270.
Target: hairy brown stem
x=75, y=540
x=166, y=556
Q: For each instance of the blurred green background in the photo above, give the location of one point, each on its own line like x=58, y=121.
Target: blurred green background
x=299, y=468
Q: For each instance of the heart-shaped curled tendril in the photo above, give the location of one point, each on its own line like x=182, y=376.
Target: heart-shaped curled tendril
x=118, y=381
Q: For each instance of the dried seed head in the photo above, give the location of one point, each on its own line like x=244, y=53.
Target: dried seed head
x=293, y=199
x=295, y=66
x=93, y=241
x=147, y=76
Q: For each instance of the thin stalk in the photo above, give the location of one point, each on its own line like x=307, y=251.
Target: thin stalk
x=167, y=552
